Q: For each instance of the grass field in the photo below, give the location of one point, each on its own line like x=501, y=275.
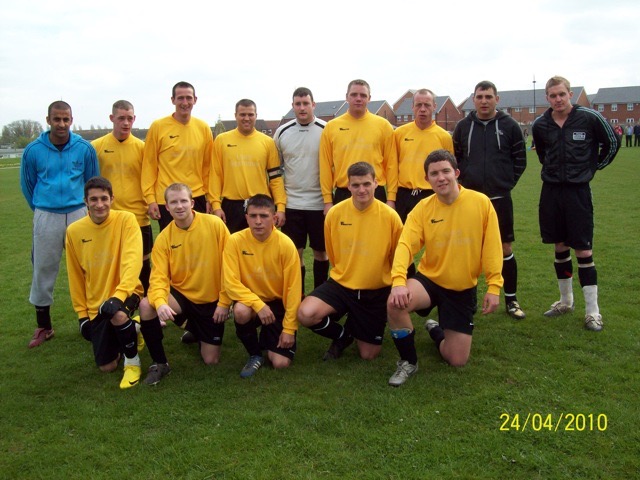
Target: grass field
x=63, y=419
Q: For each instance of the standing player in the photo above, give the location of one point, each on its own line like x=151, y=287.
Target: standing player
x=262, y=277
x=361, y=235
x=492, y=156
x=356, y=136
x=458, y=229
x=53, y=172
x=104, y=257
x=245, y=163
x=298, y=142
x=177, y=149
x=414, y=142
x=186, y=281
x=572, y=142
x=120, y=159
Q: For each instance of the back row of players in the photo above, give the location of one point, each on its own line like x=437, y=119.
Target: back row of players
x=199, y=270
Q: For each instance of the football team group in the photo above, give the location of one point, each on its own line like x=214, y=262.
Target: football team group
x=236, y=212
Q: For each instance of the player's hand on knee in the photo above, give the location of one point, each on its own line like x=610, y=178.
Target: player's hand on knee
x=220, y=315
x=110, y=307
x=399, y=297
x=165, y=313
x=286, y=340
x=266, y=316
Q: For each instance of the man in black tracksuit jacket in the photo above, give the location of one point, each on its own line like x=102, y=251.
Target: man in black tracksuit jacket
x=572, y=142
x=491, y=154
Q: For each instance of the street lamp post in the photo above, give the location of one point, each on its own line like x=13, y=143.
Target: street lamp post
x=534, y=98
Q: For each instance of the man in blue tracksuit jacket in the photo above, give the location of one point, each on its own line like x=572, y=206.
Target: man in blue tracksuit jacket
x=53, y=172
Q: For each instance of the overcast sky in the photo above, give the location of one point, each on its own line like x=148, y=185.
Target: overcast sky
x=91, y=53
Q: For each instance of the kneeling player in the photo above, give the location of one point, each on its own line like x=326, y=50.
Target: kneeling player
x=104, y=258
x=186, y=281
x=262, y=276
x=361, y=234
x=459, y=230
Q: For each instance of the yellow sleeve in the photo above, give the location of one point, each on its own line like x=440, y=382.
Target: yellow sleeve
x=77, y=287
x=492, y=257
x=160, y=280
x=328, y=240
x=207, y=164
x=292, y=283
x=411, y=242
x=130, y=258
x=276, y=182
x=149, y=175
x=216, y=174
x=326, y=166
x=223, y=239
x=390, y=159
x=396, y=233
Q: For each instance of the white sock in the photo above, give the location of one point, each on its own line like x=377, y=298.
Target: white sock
x=566, y=291
x=591, y=299
x=135, y=361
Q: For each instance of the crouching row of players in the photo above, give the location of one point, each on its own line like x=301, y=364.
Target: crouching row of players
x=200, y=270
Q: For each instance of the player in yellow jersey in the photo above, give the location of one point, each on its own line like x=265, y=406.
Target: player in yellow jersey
x=458, y=229
x=414, y=141
x=361, y=235
x=357, y=136
x=186, y=281
x=262, y=277
x=104, y=257
x=120, y=158
x=245, y=163
x=178, y=148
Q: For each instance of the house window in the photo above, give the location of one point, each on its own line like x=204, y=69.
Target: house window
x=601, y=108
x=629, y=107
x=399, y=118
x=532, y=109
x=517, y=109
x=406, y=118
x=630, y=120
x=614, y=120
x=614, y=107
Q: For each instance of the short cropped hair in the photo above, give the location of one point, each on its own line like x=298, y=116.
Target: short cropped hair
x=361, y=169
x=182, y=85
x=557, y=80
x=302, y=92
x=59, y=105
x=358, y=81
x=439, y=156
x=485, y=85
x=176, y=187
x=245, y=102
x=260, y=201
x=97, y=182
x=424, y=91
x=121, y=105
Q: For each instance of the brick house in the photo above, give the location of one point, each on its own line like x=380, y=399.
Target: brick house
x=618, y=104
